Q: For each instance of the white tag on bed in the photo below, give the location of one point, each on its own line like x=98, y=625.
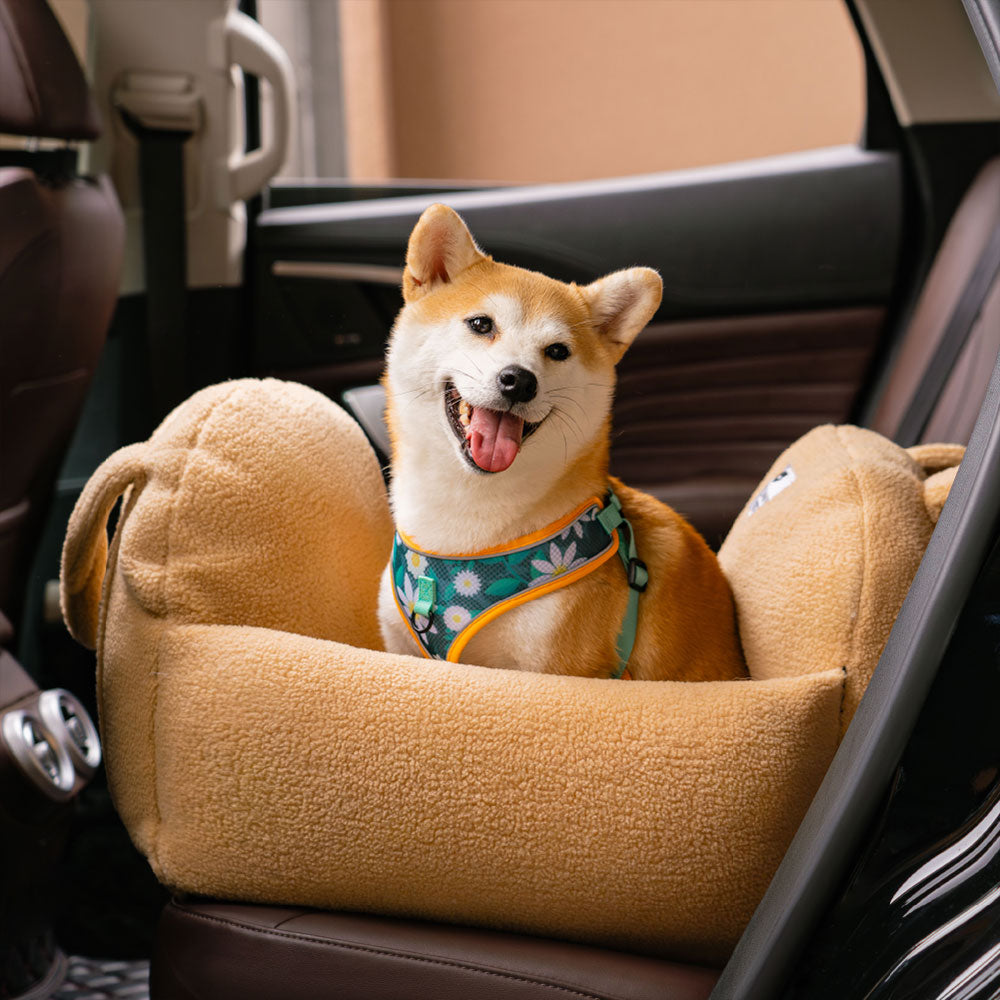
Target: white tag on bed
x=781, y=481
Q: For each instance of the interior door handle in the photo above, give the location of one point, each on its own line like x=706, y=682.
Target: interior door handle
x=240, y=41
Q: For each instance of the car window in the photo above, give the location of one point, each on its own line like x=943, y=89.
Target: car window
x=553, y=90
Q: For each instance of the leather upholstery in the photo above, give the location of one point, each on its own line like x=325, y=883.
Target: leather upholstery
x=60, y=258
x=43, y=92
x=214, y=951
x=958, y=406
x=61, y=244
x=703, y=406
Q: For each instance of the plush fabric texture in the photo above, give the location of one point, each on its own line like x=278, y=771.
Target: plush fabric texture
x=819, y=571
x=255, y=503
x=259, y=746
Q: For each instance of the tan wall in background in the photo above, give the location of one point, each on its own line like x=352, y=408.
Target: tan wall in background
x=369, y=122
x=538, y=90
x=74, y=17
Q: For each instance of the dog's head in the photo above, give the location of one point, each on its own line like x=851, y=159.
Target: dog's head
x=499, y=367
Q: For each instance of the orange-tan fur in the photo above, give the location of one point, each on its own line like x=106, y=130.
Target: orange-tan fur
x=687, y=624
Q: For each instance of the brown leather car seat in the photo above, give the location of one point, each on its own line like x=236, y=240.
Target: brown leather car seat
x=61, y=241
x=214, y=950
x=951, y=415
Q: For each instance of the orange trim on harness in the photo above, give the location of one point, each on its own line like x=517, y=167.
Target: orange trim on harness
x=518, y=543
x=616, y=545
x=462, y=639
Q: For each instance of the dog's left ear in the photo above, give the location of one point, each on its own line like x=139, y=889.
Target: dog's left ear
x=622, y=303
x=440, y=248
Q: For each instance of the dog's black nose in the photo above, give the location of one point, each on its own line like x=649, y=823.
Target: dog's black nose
x=517, y=384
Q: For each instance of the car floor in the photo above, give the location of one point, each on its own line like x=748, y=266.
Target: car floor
x=100, y=979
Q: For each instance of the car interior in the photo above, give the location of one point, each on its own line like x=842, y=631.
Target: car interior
x=147, y=252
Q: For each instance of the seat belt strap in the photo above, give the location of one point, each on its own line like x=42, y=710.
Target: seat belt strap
x=955, y=337
x=164, y=239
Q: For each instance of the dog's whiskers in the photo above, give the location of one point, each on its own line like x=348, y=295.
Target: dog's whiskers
x=415, y=393
x=566, y=398
x=472, y=361
x=584, y=385
x=561, y=417
x=569, y=420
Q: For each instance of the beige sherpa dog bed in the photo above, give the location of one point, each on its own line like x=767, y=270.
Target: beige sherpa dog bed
x=258, y=748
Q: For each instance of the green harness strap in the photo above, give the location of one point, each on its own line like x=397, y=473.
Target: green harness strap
x=638, y=576
x=423, y=579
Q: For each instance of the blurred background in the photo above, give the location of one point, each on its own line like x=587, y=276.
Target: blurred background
x=525, y=91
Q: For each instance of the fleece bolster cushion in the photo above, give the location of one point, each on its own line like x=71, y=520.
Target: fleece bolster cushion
x=261, y=747
x=823, y=553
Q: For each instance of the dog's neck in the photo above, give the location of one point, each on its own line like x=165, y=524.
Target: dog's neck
x=450, y=512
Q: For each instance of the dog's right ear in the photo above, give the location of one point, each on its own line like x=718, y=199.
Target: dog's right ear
x=440, y=248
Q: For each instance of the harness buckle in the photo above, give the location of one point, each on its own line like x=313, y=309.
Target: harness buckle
x=638, y=575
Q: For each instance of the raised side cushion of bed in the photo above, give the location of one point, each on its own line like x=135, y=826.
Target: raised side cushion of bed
x=260, y=748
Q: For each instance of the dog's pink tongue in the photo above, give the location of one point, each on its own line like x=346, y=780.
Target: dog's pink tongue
x=494, y=438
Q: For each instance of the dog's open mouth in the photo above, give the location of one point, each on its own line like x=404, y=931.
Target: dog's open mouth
x=490, y=439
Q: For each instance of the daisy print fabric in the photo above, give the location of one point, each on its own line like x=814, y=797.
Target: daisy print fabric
x=465, y=587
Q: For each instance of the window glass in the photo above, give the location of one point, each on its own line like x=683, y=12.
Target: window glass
x=550, y=90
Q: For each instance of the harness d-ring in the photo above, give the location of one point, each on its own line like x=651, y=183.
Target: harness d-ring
x=416, y=628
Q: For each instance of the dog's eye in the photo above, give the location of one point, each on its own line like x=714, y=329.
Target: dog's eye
x=480, y=324
x=557, y=352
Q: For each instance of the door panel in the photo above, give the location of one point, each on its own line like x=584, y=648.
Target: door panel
x=776, y=278
x=704, y=406
x=809, y=230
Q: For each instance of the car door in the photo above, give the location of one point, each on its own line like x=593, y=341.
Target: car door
x=779, y=275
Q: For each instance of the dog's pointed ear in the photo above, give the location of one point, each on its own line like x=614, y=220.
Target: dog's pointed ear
x=440, y=248
x=622, y=303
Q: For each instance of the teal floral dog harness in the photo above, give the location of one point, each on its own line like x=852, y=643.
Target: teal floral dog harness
x=445, y=600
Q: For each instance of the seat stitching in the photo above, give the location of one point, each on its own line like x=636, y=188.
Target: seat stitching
x=568, y=990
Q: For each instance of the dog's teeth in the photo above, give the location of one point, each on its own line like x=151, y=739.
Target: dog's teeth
x=463, y=408
x=464, y=419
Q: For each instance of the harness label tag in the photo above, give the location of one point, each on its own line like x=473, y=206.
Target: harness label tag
x=426, y=595
x=781, y=481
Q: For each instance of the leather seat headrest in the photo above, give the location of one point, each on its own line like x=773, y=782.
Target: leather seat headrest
x=43, y=92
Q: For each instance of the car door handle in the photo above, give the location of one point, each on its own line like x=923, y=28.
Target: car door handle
x=238, y=40
x=323, y=270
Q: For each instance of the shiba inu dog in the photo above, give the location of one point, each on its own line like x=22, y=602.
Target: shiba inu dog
x=513, y=547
